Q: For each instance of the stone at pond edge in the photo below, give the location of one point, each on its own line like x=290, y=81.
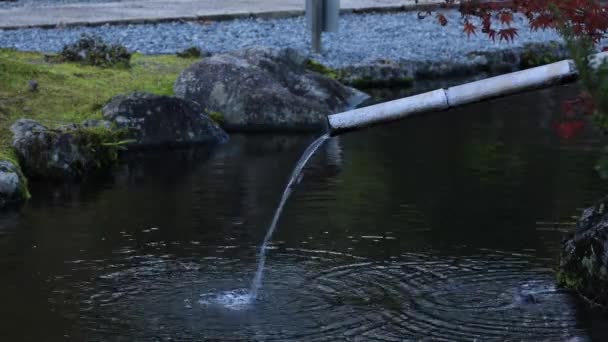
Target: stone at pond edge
x=265, y=89
x=382, y=73
x=153, y=120
x=13, y=185
x=584, y=257
x=65, y=153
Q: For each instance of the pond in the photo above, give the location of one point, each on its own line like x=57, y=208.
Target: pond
x=445, y=226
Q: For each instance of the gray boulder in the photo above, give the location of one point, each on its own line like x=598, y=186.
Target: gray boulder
x=13, y=185
x=64, y=153
x=265, y=89
x=153, y=120
x=584, y=258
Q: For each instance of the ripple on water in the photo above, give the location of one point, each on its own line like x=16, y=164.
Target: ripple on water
x=240, y=299
x=312, y=295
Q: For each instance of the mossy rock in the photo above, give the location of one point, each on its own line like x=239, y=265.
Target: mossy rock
x=154, y=120
x=13, y=184
x=265, y=89
x=584, y=257
x=69, y=152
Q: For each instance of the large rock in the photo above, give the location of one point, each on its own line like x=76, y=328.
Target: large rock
x=265, y=89
x=584, y=259
x=13, y=185
x=63, y=153
x=154, y=120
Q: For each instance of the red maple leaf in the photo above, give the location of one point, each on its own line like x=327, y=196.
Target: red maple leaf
x=492, y=35
x=505, y=17
x=507, y=34
x=442, y=19
x=469, y=28
x=542, y=21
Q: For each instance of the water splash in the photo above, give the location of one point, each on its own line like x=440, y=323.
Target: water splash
x=234, y=300
x=294, y=179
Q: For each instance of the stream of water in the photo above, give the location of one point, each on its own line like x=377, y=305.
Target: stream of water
x=240, y=299
x=293, y=179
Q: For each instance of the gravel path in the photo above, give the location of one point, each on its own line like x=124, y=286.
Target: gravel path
x=40, y=3
x=361, y=38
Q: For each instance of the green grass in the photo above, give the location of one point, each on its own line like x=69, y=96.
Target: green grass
x=72, y=93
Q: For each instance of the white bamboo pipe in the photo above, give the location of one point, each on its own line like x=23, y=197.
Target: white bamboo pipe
x=441, y=99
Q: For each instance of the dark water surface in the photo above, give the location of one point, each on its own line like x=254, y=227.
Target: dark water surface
x=443, y=227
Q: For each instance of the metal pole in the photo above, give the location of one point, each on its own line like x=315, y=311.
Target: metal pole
x=317, y=25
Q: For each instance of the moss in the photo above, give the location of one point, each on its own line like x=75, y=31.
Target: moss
x=71, y=92
x=217, y=117
x=101, y=144
x=569, y=280
x=315, y=66
x=24, y=189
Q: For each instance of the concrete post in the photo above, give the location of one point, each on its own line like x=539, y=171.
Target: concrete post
x=442, y=99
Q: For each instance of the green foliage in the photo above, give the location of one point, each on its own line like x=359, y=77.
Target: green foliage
x=192, y=52
x=92, y=50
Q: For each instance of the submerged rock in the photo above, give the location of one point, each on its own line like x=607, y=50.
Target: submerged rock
x=13, y=185
x=584, y=258
x=265, y=89
x=64, y=153
x=153, y=120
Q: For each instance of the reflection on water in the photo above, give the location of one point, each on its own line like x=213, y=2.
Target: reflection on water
x=444, y=226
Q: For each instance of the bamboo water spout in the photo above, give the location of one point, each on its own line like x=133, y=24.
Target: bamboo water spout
x=441, y=99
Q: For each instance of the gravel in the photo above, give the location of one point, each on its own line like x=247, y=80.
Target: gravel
x=40, y=3
x=362, y=37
